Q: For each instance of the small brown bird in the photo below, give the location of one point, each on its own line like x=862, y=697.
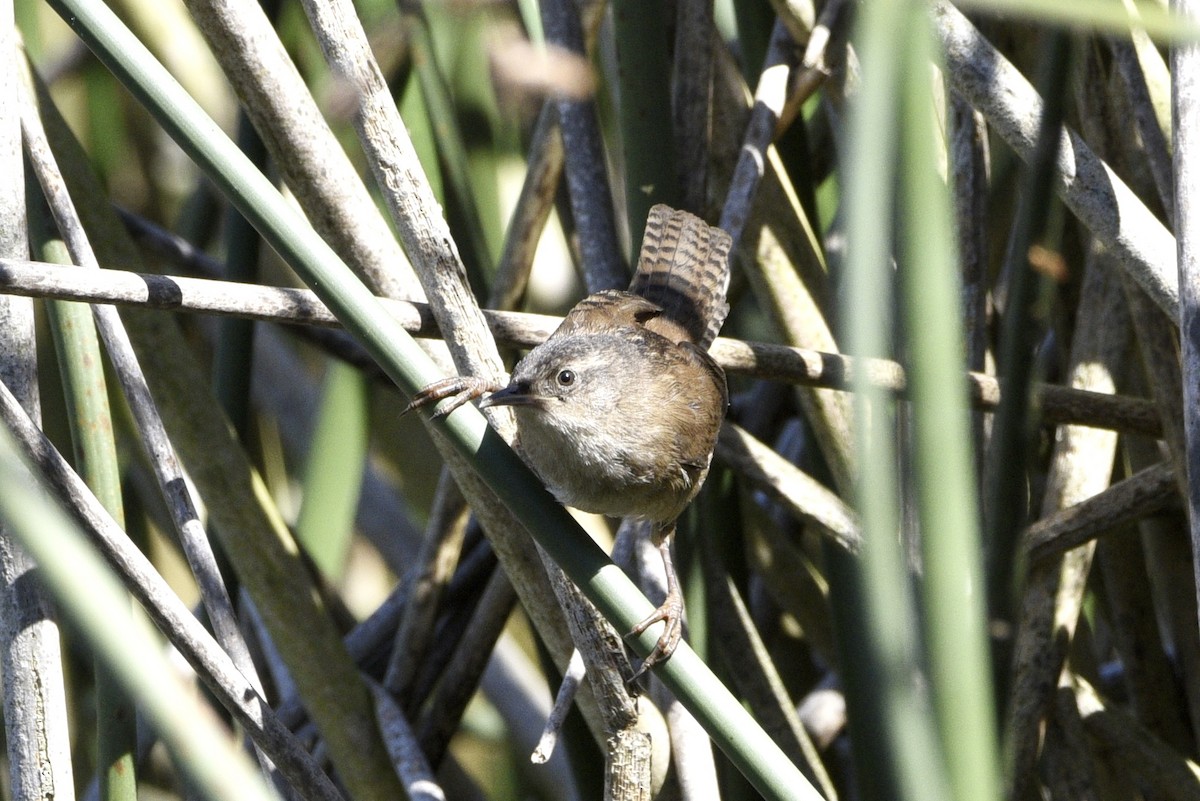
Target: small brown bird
x=618, y=411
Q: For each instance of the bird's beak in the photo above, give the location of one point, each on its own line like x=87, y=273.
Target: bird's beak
x=512, y=395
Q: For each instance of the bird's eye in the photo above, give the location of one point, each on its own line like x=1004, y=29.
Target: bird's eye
x=566, y=378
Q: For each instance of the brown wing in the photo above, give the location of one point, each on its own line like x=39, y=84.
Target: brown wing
x=684, y=269
x=715, y=372
x=696, y=449
x=606, y=310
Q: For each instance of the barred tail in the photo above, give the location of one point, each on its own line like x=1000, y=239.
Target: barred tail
x=684, y=268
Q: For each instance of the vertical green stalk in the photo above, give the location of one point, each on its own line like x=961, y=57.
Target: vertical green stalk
x=640, y=37
x=233, y=357
x=895, y=743
x=233, y=360
x=451, y=147
x=333, y=476
x=754, y=22
x=1006, y=503
x=531, y=18
x=86, y=590
x=954, y=605
x=89, y=416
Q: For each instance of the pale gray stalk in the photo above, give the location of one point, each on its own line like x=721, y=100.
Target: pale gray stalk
x=804, y=497
x=211, y=663
x=1144, y=493
x=35, y=711
x=543, y=172
x=627, y=761
x=691, y=749
x=303, y=147
x=769, y=98
x=1089, y=187
x=802, y=366
x=447, y=523
x=779, y=250
x=1185, y=113
x=572, y=677
x=1155, y=146
x=409, y=197
x=171, y=482
x=1148, y=676
x=430, y=245
x=410, y=763
x=519, y=692
x=1053, y=595
x=691, y=755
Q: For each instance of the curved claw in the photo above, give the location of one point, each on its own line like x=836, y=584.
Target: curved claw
x=671, y=613
x=458, y=389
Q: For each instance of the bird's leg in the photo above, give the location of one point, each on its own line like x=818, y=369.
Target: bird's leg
x=670, y=612
x=459, y=389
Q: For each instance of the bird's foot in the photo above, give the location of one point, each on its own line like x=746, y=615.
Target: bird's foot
x=455, y=390
x=671, y=613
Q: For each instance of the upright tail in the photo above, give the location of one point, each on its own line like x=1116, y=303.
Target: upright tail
x=684, y=268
